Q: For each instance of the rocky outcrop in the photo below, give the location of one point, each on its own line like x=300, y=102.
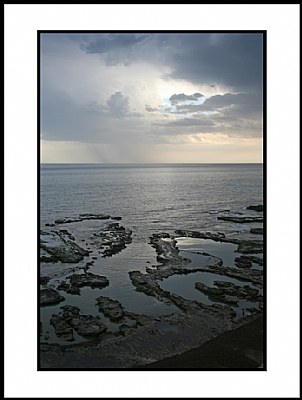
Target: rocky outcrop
x=113, y=238
x=216, y=294
x=49, y=297
x=70, y=318
x=228, y=292
x=241, y=292
x=77, y=281
x=250, y=247
x=215, y=236
x=111, y=308
x=67, y=252
x=87, y=325
x=81, y=217
x=246, y=261
x=44, y=280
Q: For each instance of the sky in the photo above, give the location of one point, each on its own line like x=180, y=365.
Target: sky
x=151, y=97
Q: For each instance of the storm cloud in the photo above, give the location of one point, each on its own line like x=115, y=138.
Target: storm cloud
x=130, y=89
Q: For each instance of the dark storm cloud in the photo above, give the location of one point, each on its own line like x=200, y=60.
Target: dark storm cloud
x=233, y=60
x=181, y=98
x=112, y=42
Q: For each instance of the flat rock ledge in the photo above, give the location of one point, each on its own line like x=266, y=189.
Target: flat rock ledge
x=70, y=318
x=77, y=281
x=110, y=308
x=49, y=297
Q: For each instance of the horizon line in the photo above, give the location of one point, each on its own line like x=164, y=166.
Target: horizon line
x=150, y=163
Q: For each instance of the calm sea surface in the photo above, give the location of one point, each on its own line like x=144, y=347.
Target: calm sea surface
x=150, y=199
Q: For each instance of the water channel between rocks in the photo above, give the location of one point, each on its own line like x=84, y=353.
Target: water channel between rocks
x=121, y=288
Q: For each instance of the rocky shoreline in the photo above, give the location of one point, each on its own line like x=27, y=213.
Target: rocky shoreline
x=141, y=339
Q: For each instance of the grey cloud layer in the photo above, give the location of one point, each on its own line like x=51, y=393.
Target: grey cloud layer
x=232, y=60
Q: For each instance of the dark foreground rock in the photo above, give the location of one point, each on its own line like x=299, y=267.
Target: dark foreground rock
x=239, y=348
x=50, y=296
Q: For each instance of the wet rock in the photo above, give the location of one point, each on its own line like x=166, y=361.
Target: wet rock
x=246, y=261
x=258, y=208
x=87, y=325
x=216, y=294
x=250, y=247
x=50, y=296
x=114, y=237
x=49, y=224
x=111, y=308
x=77, y=281
x=63, y=286
x=70, y=312
x=241, y=220
x=144, y=283
x=245, y=292
x=166, y=249
x=73, y=290
x=215, y=236
x=88, y=279
x=44, y=280
x=257, y=231
x=90, y=216
x=61, y=327
x=67, y=252
x=125, y=329
x=243, y=262
x=81, y=217
x=116, y=218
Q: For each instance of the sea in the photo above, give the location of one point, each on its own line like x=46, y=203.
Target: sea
x=149, y=198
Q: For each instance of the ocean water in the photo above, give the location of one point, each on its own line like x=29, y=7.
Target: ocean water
x=150, y=199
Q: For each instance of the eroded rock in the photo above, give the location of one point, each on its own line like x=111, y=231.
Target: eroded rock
x=85, y=325
x=50, y=296
x=111, y=308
